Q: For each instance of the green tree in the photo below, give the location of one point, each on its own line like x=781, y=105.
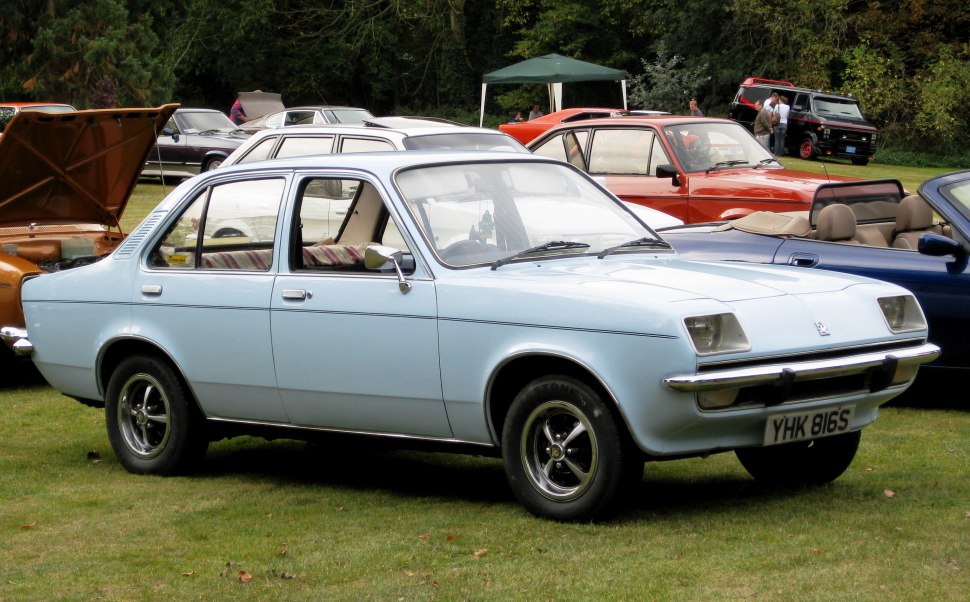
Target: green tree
x=666, y=84
x=96, y=52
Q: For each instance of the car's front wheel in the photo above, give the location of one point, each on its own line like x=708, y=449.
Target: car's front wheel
x=567, y=454
x=153, y=423
x=803, y=462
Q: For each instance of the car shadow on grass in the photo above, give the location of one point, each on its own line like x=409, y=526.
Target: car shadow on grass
x=380, y=467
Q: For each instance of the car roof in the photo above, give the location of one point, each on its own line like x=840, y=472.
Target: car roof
x=197, y=110
x=634, y=120
x=371, y=128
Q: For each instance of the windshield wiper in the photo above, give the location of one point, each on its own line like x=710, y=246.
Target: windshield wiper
x=765, y=161
x=554, y=245
x=209, y=132
x=646, y=241
x=726, y=164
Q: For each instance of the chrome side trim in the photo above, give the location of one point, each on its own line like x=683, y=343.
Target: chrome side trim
x=780, y=373
x=323, y=429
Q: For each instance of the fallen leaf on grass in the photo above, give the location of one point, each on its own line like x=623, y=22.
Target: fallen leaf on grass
x=188, y=574
x=480, y=553
x=424, y=536
x=889, y=493
x=451, y=538
x=245, y=576
x=28, y=526
x=285, y=549
x=817, y=550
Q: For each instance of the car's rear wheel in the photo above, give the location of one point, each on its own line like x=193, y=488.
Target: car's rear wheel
x=153, y=423
x=806, y=150
x=801, y=463
x=567, y=455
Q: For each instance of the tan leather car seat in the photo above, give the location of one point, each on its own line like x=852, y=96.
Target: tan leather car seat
x=836, y=223
x=913, y=218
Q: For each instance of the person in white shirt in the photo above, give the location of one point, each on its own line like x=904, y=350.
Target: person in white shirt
x=781, y=128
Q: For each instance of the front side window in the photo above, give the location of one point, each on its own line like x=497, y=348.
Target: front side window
x=620, y=151
x=226, y=227
x=338, y=219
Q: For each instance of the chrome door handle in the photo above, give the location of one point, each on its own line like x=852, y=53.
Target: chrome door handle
x=296, y=294
x=151, y=289
x=803, y=260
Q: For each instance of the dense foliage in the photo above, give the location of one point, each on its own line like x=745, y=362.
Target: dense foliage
x=908, y=61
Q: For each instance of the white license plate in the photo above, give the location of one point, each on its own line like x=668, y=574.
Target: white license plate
x=785, y=428
x=850, y=149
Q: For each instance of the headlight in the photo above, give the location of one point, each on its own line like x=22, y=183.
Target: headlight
x=902, y=313
x=717, y=333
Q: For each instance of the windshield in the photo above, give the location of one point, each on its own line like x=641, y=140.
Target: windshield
x=481, y=213
x=464, y=141
x=841, y=107
x=704, y=146
x=196, y=122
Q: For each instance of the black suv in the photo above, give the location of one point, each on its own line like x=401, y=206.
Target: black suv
x=820, y=123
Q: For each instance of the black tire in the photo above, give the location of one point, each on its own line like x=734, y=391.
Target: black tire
x=860, y=161
x=153, y=423
x=212, y=163
x=801, y=463
x=806, y=150
x=555, y=475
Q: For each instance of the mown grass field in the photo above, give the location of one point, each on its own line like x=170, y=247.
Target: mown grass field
x=285, y=520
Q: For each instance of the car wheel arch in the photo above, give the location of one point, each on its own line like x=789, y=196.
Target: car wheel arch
x=121, y=349
x=518, y=371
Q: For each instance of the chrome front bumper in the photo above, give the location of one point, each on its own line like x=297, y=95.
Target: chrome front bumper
x=16, y=339
x=885, y=363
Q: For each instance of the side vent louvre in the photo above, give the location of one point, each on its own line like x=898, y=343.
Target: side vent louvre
x=127, y=248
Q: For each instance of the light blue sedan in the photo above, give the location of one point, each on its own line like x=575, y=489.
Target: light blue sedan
x=502, y=302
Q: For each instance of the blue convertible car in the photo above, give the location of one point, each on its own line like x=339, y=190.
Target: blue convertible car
x=500, y=301
x=871, y=228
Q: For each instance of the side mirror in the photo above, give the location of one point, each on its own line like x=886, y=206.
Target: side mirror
x=376, y=256
x=937, y=245
x=668, y=171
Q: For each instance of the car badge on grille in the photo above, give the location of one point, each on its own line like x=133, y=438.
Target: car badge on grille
x=823, y=330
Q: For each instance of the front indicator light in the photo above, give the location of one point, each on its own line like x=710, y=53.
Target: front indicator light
x=714, y=400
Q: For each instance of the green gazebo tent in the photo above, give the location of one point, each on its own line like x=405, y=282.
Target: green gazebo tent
x=552, y=70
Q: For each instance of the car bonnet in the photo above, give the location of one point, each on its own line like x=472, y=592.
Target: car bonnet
x=77, y=167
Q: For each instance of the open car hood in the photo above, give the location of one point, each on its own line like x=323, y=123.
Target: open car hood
x=65, y=168
x=258, y=104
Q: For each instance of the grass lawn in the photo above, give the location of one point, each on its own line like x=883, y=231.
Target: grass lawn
x=911, y=177
x=287, y=521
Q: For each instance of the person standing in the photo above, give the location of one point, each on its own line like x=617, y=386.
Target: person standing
x=762, y=125
x=695, y=111
x=536, y=112
x=772, y=102
x=236, y=114
x=781, y=128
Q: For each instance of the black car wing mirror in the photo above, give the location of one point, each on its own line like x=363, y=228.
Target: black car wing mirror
x=668, y=171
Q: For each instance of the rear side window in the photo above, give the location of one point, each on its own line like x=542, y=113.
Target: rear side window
x=753, y=94
x=301, y=146
x=364, y=145
x=228, y=227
